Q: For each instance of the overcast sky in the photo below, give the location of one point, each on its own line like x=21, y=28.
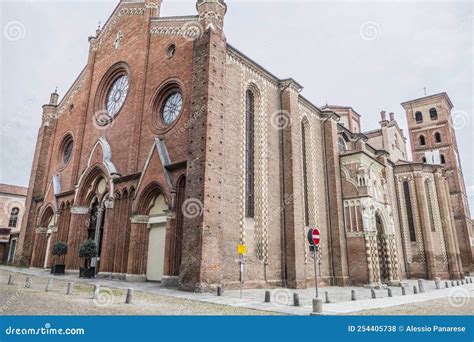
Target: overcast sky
x=368, y=55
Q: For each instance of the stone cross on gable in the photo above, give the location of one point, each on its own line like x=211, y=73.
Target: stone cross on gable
x=118, y=40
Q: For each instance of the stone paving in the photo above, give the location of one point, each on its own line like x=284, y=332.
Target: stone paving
x=281, y=299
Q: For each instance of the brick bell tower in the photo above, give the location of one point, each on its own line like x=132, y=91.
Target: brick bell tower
x=433, y=141
x=201, y=267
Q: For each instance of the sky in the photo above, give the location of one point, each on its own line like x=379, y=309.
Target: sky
x=368, y=55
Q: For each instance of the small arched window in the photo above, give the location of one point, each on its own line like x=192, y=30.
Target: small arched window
x=249, y=154
x=418, y=117
x=422, y=140
x=423, y=159
x=433, y=114
x=443, y=159
x=438, y=137
x=13, y=218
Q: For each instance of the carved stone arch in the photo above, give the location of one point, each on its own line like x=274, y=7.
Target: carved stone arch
x=146, y=197
x=88, y=181
x=45, y=215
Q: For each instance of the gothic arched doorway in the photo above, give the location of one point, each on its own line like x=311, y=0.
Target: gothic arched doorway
x=382, y=249
x=156, y=239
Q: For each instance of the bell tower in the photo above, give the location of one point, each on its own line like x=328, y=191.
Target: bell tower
x=433, y=141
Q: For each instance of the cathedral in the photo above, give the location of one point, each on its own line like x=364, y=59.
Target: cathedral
x=172, y=147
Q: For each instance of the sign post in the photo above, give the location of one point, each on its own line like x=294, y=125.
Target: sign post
x=242, y=250
x=314, y=239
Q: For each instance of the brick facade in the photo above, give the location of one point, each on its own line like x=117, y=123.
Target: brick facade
x=120, y=166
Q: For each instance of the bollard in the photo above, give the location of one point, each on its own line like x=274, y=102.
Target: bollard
x=415, y=289
x=327, y=297
x=404, y=291
x=10, y=279
x=452, y=282
x=389, y=292
x=421, y=285
x=372, y=291
x=129, y=298
x=49, y=285
x=317, y=307
x=446, y=284
x=267, y=296
x=457, y=282
x=219, y=291
x=353, y=295
x=470, y=280
x=28, y=282
x=70, y=288
x=438, y=283
x=296, y=299
x=96, y=292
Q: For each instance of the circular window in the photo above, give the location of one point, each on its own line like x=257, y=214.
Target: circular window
x=171, y=107
x=65, y=150
x=171, y=50
x=116, y=95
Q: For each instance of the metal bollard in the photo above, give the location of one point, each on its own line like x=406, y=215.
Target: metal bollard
x=389, y=292
x=404, y=291
x=415, y=289
x=438, y=283
x=457, y=282
x=462, y=281
x=96, y=292
x=267, y=296
x=353, y=295
x=129, y=298
x=70, y=288
x=49, y=285
x=219, y=291
x=421, y=285
x=446, y=284
x=327, y=297
x=10, y=279
x=372, y=291
x=470, y=280
x=296, y=299
x=317, y=307
x=452, y=282
x=28, y=282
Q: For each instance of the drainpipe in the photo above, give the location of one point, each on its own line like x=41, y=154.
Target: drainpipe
x=282, y=198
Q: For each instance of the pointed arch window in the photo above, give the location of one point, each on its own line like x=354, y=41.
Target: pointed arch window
x=430, y=205
x=408, y=206
x=422, y=140
x=418, y=117
x=249, y=154
x=13, y=218
x=433, y=114
x=304, y=131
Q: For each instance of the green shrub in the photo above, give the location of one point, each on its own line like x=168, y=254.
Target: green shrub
x=60, y=248
x=88, y=250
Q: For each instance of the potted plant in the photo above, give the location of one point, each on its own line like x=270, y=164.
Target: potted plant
x=59, y=249
x=87, y=251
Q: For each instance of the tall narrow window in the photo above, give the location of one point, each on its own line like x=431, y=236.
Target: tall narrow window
x=418, y=117
x=438, y=137
x=249, y=155
x=13, y=218
x=430, y=205
x=443, y=159
x=433, y=114
x=305, y=174
x=422, y=140
x=411, y=221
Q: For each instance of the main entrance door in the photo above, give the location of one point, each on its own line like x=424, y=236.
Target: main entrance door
x=381, y=247
x=156, y=239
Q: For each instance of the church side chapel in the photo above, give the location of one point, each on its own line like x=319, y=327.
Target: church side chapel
x=172, y=147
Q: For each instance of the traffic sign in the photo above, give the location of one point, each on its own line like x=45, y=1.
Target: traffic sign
x=313, y=237
x=241, y=249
